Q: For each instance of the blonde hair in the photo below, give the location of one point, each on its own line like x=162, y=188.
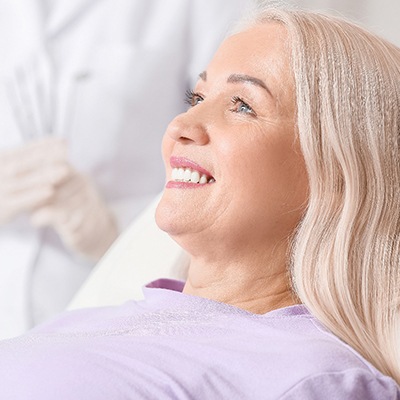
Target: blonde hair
x=346, y=254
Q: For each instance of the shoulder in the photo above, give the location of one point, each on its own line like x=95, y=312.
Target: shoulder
x=351, y=384
x=305, y=361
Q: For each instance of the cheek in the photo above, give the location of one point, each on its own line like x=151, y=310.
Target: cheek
x=269, y=182
x=166, y=148
x=256, y=165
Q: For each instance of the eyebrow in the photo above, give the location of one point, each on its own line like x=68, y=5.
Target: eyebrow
x=203, y=75
x=238, y=78
x=235, y=78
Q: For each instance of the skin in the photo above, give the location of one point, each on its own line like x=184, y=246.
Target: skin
x=238, y=228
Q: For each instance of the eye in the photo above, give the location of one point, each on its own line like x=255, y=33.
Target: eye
x=193, y=98
x=241, y=106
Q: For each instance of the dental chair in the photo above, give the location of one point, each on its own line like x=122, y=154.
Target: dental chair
x=141, y=254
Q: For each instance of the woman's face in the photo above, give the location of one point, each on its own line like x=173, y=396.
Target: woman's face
x=235, y=175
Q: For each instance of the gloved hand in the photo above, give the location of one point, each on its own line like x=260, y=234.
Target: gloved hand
x=80, y=217
x=29, y=176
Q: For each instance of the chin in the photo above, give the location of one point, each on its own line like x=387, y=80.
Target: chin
x=167, y=217
x=161, y=219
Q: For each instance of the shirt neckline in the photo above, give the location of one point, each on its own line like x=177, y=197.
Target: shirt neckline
x=167, y=294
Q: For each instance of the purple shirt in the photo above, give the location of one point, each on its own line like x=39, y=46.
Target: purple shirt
x=176, y=346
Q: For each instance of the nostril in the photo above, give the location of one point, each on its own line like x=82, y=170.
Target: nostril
x=185, y=139
x=185, y=130
x=192, y=136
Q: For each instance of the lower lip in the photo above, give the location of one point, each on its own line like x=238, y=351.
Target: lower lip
x=184, y=185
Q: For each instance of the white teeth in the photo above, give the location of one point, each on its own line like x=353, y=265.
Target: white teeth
x=175, y=174
x=195, y=177
x=203, y=179
x=188, y=175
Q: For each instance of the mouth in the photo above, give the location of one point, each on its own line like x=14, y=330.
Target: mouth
x=189, y=172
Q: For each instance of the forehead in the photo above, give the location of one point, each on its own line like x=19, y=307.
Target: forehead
x=260, y=51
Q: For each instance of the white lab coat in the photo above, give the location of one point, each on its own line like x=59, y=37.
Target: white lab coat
x=120, y=69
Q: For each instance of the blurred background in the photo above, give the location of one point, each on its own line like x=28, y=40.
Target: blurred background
x=381, y=16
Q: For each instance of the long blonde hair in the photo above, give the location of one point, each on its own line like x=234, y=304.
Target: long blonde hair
x=346, y=254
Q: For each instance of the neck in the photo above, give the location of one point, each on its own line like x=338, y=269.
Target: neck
x=258, y=289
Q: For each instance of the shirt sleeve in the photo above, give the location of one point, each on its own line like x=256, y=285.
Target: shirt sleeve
x=355, y=384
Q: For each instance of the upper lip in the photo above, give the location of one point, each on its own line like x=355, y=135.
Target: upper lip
x=182, y=162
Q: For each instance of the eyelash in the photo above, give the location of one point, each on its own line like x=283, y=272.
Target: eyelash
x=237, y=100
x=191, y=97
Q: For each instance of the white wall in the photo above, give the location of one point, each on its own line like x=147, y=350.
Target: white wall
x=380, y=16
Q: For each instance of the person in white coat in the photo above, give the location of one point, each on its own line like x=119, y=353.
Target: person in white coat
x=87, y=88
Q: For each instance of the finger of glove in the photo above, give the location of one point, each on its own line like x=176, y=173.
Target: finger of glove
x=83, y=232
x=25, y=202
x=34, y=155
x=43, y=216
x=68, y=207
x=62, y=214
x=80, y=217
x=77, y=196
x=30, y=181
x=65, y=223
x=91, y=227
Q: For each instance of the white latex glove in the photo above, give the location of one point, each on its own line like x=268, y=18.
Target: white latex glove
x=79, y=216
x=29, y=175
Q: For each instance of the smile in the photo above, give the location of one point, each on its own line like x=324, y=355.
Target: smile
x=187, y=173
x=190, y=175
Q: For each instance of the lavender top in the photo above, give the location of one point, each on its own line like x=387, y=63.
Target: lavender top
x=176, y=346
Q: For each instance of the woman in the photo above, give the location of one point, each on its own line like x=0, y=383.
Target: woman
x=283, y=185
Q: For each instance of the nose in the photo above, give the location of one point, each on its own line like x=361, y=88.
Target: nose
x=186, y=130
